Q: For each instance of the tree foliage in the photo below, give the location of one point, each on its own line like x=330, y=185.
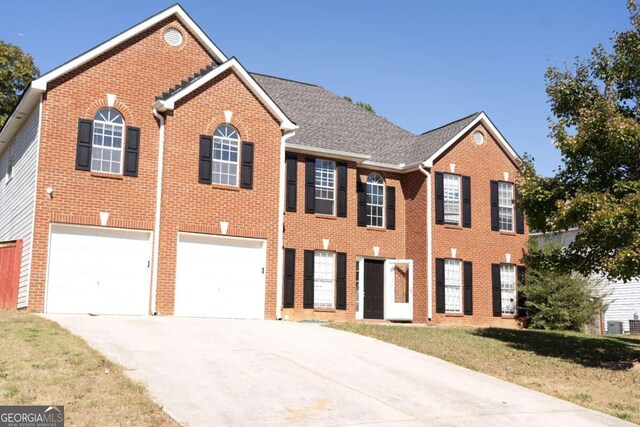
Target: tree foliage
x=596, y=126
x=559, y=300
x=361, y=104
x=16, y=72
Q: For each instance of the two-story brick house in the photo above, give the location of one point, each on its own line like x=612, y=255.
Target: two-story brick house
x=154, y=175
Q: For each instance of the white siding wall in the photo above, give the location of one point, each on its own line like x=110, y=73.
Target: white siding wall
x=17, y=196
x=624, y=301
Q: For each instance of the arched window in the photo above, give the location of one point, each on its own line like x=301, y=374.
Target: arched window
x=375, y=200
x=107, y=143
x=226, y=142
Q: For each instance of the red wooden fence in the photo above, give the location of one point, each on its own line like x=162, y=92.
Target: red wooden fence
x=10, y=256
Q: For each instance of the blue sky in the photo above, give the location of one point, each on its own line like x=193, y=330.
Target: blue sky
x=420, y=64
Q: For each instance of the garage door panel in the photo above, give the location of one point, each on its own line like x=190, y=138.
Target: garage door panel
x=220, y=277
x=99, y=271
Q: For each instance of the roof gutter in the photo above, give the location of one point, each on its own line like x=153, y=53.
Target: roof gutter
x=429, y=244
x=29, y=100
x=156, y=227
x=337, y=154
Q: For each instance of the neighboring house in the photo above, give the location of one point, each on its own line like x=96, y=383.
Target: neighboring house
x=153, y=174
x=622, y=298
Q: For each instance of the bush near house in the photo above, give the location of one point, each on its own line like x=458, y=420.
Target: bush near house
x=556, y=299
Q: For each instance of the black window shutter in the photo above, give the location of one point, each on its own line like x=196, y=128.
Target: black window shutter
x=466, y=201
x=519, y=214
x=468, y=287
x=495, y=219
x=204, y=166
x=341, y=281
x=310, y=185
x=246, y=174
x=440, y=305
x=362, y=203
x=496, y=290
x=292, y=182
x=308, y=279
x=83, y=147
x=132, y=150
x=439, y=198
x=391, y=208
x=289, y=277
x=521, y=272
x=342, y=189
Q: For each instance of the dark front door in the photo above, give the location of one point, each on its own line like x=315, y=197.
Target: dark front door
x=373, y=289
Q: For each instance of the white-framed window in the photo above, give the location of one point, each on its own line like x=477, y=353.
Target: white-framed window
x=505, y=203
x=226, y=145
x=325, y=186
x=453, y=285
x=451, y=198
x=375, y=200
x=508, y=288
x=108, y=139
x=324, y=279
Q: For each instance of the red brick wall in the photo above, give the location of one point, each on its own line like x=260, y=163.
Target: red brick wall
x=136, y=72
x=477, y=244
x=306, y=232
x=190, y=206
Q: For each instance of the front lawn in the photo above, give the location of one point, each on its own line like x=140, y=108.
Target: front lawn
x=43, y=364
x=601, y=373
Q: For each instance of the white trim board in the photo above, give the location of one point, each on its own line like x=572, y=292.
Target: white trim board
x=482, y=117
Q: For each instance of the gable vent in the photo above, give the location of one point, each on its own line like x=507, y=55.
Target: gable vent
x=173, y=37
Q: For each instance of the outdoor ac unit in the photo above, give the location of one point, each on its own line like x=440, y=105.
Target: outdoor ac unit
x=614, y=327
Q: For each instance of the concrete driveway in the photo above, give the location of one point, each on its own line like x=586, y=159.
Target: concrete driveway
x=232, y=372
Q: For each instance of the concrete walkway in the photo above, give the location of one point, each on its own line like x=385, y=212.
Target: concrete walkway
x=208, y=372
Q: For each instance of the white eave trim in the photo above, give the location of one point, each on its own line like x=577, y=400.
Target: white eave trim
x=482, y=117
x=327, y=152
x=170, y=103
x=28, y=102
x=185, y=19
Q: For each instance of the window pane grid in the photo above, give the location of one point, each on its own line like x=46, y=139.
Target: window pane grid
x=505, y=203
x=106, y=152
x=325, y=179
x=375, y=200
x=323, y=280
x=508, y=288
x=451, y=199
x=452, y=286
x=225, y=155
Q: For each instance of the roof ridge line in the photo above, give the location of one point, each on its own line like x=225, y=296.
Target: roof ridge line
x=450, y=123
x=285, y=79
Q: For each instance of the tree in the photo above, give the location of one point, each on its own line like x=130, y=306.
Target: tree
x=16, y=72
x=361, y=104
x=559, y=300
x=596, y=126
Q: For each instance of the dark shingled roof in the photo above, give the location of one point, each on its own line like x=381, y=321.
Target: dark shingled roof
x=329, y=121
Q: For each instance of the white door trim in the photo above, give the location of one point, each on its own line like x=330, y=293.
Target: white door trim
x=392, y=309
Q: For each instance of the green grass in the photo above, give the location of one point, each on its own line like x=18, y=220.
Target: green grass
x=43, y=364
x=601, y=373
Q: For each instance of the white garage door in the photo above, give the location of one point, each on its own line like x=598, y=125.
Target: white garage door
x=220, y=277
x=98, y=271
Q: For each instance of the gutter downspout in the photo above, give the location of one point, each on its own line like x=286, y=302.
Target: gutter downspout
x=429, y=244
x=280, y=261
x=156, y=227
